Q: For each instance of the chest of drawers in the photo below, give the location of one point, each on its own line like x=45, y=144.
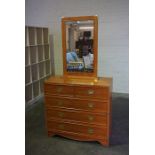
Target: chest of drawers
x=79, y=109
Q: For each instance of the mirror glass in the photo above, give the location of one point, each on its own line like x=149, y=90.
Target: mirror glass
x=79, y=46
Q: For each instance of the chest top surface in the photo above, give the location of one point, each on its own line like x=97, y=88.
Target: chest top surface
x=61, y=80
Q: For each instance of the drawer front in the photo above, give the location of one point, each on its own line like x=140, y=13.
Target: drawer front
x=92, y=92
x=77, y=116
x=89, y=105
x=76, y=128
x=59, y=90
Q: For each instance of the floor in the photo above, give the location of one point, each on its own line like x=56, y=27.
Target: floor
x=38, y=143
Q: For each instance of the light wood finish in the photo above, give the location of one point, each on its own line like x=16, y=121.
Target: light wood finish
x=79, y=137
x=92, y=131
x=58, y=89
x=78, y=108
x=95, y=45
x=67, y=103
x=80, y=116
x=92, y=92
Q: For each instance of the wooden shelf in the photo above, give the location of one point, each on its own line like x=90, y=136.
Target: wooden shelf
x=28, y=92
x=27, y=56
x=37, y=61
x=40, y=53
x=32, y=35
x=39, y=35
x=34, y=70
x=41, y=82
x=27, y=75
x=45, y=35
x=33, y=54
x=26, y=36
x=46, y=52
x=48, y=66
x=36, y=90
x=41, y=69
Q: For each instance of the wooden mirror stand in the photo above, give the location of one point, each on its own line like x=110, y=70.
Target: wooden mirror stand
x=73, y=28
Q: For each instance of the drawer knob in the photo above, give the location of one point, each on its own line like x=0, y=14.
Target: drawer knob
x=59, y=90
x=90, y=131
x=90, y=92
x=61, y=126
x=61, y=114
x=90, y=118
x=60, y=103
x=90, y=105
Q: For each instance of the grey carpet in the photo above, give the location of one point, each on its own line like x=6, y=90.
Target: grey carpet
x=38, y=143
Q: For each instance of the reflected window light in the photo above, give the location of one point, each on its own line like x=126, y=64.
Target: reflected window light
x=85, y=28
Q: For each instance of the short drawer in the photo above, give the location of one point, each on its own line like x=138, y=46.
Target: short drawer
x=81, y=104
x=86, y=117
x=92, y=92
x=92, y=131
x=59, y=90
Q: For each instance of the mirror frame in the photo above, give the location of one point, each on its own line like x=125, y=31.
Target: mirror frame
x=95, y=45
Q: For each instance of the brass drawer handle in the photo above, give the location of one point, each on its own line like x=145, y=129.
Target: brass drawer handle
x=90, y=105
x=60, y=103
x=90, y=92
x=90, y=118
x=61, y=114
x=59, y=89
x=90, y=131
x=61, y=126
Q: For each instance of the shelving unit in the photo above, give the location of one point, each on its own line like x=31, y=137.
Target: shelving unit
x=37, y=62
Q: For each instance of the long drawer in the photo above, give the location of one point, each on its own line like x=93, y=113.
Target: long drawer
x=85, y=117
x=81, y=104
x=89, y=92
x=77, y=128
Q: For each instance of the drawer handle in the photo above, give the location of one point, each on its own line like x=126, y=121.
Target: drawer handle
x=61, y=114
x=90, y=105
x=60, y=103
x=90, y=92
x=61, y=126
x=90, y=131
x=90, y=118
x=59, y=90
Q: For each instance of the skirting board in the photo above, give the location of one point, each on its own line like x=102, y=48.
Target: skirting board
x=124, y=95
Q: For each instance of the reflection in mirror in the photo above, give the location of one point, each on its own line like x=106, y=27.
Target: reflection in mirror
x=79, y=46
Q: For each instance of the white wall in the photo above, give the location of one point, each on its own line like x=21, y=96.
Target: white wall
x=113, y=54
